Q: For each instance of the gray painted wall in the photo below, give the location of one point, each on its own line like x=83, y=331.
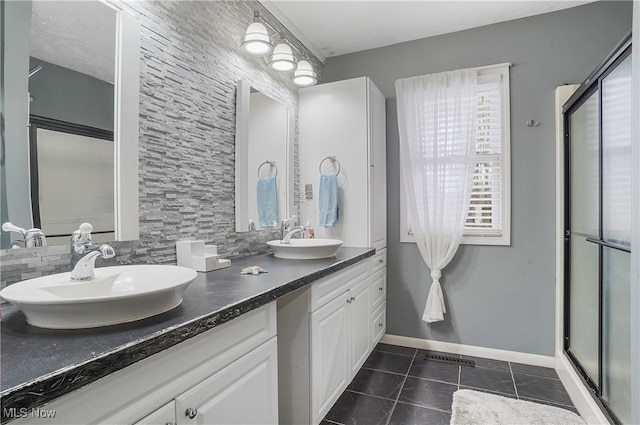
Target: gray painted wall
x=189, y=67
x=67, y=95
x=496, y=297
x=15, y=176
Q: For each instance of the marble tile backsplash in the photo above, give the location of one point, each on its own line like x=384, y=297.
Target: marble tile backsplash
x=190, y=64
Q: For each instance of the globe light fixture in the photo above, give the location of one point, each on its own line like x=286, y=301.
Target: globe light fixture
x=304, y=75
x=256, y=40
x=282, y=58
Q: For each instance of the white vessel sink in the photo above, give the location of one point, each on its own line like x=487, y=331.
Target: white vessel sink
x=118, y=294
x=305, y=249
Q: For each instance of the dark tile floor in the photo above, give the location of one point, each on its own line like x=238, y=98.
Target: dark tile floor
x=397, y=386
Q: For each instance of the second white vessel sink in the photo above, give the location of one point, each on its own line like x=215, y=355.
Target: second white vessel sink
x=118, y=294
x=305, y=249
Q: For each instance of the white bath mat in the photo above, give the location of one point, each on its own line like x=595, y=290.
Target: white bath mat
x=477, y=408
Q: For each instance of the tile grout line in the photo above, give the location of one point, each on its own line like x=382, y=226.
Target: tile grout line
x=368, y=395
x=395, y=403
x=383, y=370
x=422, y=406
x=547, y=402
x=439, y=381
x=513, y=380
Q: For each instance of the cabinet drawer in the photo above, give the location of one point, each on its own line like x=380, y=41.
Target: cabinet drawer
x=328, y=288
x=379, y=261
x=378, y=288
x=378, y=324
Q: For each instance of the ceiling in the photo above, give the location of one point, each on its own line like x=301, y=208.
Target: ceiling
x=78, y=35
x=332, y=28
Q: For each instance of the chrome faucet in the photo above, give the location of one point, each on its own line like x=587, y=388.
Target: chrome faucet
x=285, y=225
x=287, y=237
x=32, y=238
x=84, y=253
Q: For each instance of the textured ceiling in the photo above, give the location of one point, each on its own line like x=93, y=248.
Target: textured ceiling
x=80, y=35
x=332, y=28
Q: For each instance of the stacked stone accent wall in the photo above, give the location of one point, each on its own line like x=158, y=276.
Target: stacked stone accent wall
x=189, y=67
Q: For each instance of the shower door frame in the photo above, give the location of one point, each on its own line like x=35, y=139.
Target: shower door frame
x=592, y=86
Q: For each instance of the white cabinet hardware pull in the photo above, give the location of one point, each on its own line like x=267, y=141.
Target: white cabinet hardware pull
x=191, y=413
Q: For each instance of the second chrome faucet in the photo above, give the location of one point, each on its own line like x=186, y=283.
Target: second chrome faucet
x=84, y=253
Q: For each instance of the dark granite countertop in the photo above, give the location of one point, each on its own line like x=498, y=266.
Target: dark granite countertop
x=39, y=365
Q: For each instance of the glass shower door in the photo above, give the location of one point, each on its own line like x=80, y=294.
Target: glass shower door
x=616, y=237
x=598, y=234
x=584, y=208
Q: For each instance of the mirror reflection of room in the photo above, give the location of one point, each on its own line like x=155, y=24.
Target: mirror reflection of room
x=264, y=162
x=267, y=153
x=68, y=124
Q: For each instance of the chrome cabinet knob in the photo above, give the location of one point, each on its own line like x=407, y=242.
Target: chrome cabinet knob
x=191, y=413
x=380, y=289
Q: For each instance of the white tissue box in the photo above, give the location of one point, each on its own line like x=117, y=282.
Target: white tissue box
x=199, y=257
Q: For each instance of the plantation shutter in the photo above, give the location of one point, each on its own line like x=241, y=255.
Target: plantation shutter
x=485, y=209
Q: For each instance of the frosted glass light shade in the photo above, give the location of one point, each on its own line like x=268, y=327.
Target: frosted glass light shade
x=282, y=58
x=304, y=75
x=256, y=40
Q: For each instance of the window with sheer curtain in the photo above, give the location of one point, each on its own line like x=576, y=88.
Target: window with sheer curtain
x=488, y=219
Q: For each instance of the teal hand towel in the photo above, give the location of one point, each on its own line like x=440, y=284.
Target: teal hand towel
x=267, y=192
x=328, y=200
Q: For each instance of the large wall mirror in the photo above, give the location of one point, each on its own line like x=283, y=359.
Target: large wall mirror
x=264, y=160
x=71, y=71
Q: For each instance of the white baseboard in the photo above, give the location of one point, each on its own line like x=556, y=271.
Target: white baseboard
x=470, y=350
x=579, y=394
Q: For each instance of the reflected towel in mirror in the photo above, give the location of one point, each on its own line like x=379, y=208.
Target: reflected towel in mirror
x=267, y=194
x=328, y=200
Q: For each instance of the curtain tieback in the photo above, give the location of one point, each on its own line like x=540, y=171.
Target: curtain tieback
x=436, y=275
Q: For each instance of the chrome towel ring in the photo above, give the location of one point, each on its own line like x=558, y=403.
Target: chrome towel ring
x=333, y=159
x=272, y=165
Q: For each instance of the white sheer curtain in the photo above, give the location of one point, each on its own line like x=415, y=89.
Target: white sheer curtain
x=437, y=127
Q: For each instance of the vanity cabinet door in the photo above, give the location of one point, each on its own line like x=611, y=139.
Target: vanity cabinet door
x=329, y=355
x=166, y=415
x=378, y=288
x=378, y=324
x=359, y=325
x=245, y=392
x=377, y=167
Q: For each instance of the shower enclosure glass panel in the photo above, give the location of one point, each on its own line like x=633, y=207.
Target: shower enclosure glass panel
x=616, y=361
x=616, y=229
x=616, y=154
x=585, y=199
x=598, y=232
